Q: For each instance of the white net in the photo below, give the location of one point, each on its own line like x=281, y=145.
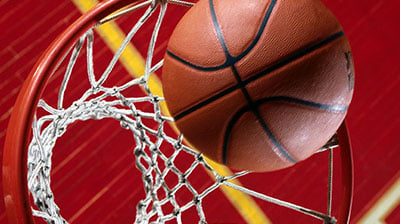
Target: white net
x=99, y=102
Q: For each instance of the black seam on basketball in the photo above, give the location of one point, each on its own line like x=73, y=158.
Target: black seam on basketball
x=251, y=105
x=219, y=34
x=233, y=121
x=205, y=102
x=272, y=137
x=260, y=31
x=260, y=75
x=241, y=85
x=230, y=59
x=269, y=100
x=197, y=67
x=254, y=108
x=266, y=129
x=291, y=58
x=332, y=108
x=295, y=56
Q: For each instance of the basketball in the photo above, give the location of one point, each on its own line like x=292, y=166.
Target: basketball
x=258, y=85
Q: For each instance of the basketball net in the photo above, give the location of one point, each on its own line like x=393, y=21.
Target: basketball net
x=100, y=102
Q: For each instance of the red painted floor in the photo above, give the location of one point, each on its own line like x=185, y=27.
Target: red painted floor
x=86, y=170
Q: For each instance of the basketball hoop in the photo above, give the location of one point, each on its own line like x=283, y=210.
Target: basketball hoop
x=31, y=138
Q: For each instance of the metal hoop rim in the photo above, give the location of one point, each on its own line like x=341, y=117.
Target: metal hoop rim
x=347, y=171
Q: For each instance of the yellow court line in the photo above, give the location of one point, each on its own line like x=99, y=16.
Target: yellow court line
x=134, y=63
x=384, y=206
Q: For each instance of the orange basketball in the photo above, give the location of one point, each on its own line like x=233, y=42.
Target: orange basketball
x=258, y=84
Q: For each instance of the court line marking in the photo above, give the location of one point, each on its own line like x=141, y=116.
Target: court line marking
x=384, y=206
x=113, y=36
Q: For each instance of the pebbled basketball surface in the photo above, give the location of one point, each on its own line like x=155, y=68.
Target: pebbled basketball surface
x=371, y=27
x=261, y=60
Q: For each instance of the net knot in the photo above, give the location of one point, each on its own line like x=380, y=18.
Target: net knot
x=138, y=151
x=156, y=2
x=153, y=165
x=220, y=179
x=123, y=122
x=330, y=220
x=140, y=205
x=95, y=89
x=178, y=143
x=168, y=164
x=182, y=179
x=170, y=194
x=199, y=158
x=153, y=148
x=196, y=200
x=176, y=212
x=148, y=178
x=115, y=91
x=155, y=99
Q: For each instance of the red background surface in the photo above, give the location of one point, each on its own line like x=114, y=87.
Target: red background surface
x=98, y=182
